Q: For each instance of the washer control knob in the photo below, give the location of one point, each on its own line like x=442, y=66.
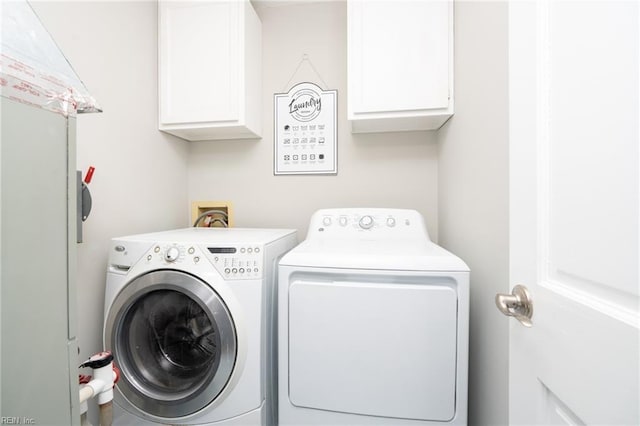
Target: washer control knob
x=366, y=222
x=172, y=254
x=326, y=221
x=391, y=222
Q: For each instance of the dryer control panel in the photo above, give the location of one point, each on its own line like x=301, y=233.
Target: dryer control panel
x=356, y=222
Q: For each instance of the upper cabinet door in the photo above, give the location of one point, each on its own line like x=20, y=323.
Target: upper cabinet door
x=400, y=64
x=209, y=69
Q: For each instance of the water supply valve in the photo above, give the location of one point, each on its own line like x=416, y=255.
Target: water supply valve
x=98, y=360
x=103, y=380
x=100, y=386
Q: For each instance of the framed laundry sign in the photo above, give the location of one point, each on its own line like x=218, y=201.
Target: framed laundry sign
x=305, y=131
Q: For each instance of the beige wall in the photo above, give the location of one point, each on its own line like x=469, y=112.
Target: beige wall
x=378, y=170
x=473, y=202
x=140, y=178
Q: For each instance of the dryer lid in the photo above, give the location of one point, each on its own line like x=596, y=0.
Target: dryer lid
x=403, y=255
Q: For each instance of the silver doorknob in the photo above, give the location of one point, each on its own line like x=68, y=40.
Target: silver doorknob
x=517, y=304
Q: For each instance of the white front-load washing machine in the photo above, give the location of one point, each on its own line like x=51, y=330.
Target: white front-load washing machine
x=372, y=324
x=189, y=317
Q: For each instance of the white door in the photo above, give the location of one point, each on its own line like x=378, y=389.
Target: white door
x=574, y=127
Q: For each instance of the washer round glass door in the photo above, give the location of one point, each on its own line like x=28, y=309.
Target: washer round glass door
x=174, y=341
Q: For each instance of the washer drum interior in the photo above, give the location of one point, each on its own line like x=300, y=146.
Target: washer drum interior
x=175, y=342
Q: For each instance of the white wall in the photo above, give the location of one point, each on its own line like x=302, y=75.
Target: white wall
x=140, y=178
x=379, y=170
x=473, y=202
x=141, y=181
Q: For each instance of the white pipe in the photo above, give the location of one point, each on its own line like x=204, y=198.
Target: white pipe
x=106, y=376
x=86, y=392
x=102, y=389
x=97, y=385
x=84, y=407
x=84, y=421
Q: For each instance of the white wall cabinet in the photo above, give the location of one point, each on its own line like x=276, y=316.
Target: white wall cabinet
x=400, y=65
x=209, y=70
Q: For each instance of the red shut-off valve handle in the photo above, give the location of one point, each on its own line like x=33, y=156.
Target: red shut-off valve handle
x=89, y=176
x=116, y=370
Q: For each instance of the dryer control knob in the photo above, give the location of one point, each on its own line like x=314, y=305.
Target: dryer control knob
x=172, y=254
x=366, y=222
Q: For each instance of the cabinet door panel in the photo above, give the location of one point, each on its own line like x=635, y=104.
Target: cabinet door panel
x=401, y=67
x=198, y=53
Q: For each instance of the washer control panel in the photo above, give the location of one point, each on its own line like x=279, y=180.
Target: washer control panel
x=342, y=223
x=239, y=262
x=169, y=254
x=232, y=262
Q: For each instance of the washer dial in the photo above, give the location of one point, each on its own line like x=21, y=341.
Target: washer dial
x=172, y=254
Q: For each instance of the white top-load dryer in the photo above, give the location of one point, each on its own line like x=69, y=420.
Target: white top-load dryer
x=372, y=324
